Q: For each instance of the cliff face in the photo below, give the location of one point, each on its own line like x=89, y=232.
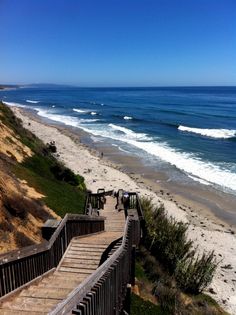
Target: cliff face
x=22, y=211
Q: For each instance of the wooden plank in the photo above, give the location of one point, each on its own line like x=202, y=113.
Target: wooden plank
x=79, y=265
x=76, y=270
x=82, y=261
x=46, y=293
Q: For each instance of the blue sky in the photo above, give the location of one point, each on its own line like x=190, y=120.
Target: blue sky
x=118, y=42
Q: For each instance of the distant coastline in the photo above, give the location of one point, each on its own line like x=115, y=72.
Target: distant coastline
x=8, y=87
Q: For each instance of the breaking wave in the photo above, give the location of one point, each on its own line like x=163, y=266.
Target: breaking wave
x=64, y=119
x=202, y=171
x=212, y=133
x=33, y=102
x=81, y=111
x=128, y=117
x=130, y=134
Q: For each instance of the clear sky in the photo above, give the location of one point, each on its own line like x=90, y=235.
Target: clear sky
x=118, y=42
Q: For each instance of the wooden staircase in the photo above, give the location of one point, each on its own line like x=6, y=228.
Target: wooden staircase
x=80, y=260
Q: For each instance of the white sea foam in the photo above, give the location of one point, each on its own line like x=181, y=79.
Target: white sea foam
x=79, y=110
x=190, y=164
x=13, y=104
x=128, y=117
x=88, y=120
x=203, y=171
x=130, y=134
x=33, y=102
x=213, y=133
x=67, y=120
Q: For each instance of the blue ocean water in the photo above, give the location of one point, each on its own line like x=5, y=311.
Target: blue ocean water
x=191, y=129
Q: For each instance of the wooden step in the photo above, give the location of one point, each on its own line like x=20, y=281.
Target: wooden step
x=82, y=261
x=87, y=245
x=31, y=304
x=59, y=284
x=76, y=270
x=83, y=257
x=58, y=278
x=45, y=293
x=79, y=265
x=84, y=252
x=87, y=250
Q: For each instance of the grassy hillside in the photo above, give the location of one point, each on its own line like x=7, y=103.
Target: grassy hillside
x=63, y=190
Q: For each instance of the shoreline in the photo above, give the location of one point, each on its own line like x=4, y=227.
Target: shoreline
x=207, y=231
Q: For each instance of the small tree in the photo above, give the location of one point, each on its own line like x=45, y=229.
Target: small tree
x=167, y=241
x=194, y=274
x=165, y=237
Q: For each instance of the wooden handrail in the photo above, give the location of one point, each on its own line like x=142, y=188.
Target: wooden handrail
x=78, y=294
x=95, y=199
x=45, y=245
x=20, y=266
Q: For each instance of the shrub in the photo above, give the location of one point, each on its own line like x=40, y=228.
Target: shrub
x=194, y=274
x=167, y=241
x=165, y=237
x=167, y=298
x=16, y=205
x=63, y=173
x=140, y=306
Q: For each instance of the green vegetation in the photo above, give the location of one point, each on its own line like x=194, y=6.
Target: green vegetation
x=64, y=191
x=168, y=266
x=140, y=272
x=140, y=307
x=60, y=196
x=167, y=241
x=194, y=274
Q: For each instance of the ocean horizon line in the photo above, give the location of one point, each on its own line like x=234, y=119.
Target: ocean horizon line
x=28, y=85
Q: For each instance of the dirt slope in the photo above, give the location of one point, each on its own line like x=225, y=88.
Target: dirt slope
x=21, y=211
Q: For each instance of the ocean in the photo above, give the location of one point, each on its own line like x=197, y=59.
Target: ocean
x=189, y=133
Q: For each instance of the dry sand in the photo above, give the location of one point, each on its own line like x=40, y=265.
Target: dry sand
x=100, y=173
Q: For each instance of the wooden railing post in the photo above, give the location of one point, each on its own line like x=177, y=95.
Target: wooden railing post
x=127, y=301
x=133, y=256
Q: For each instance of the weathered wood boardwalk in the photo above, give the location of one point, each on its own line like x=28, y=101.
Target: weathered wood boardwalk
x=80, y=260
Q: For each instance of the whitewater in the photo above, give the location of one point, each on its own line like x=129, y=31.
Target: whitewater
x=213, y=133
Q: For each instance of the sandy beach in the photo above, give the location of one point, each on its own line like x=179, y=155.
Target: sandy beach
x=207, y=231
